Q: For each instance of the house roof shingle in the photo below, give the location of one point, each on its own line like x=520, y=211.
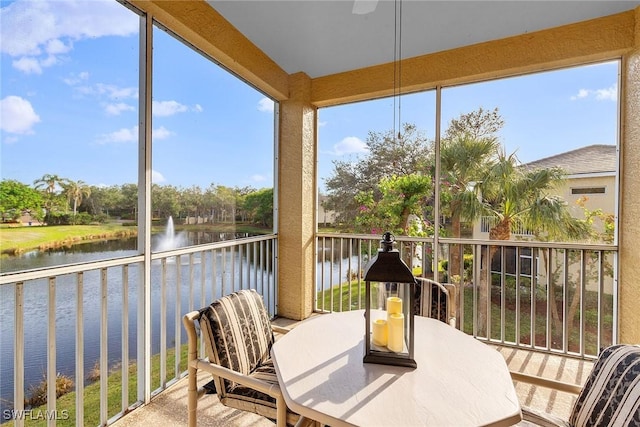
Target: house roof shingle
x=596, y=158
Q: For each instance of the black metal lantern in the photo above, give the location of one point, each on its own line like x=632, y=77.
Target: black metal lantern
x=389, y=331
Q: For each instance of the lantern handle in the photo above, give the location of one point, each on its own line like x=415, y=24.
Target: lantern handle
x=387, y=242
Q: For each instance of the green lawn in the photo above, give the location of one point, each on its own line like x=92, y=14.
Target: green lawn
x=344, y=298
x=19, y=239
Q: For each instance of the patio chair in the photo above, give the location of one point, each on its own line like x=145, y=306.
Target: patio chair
x=609, y=397
x=237, y=336
x=436, y=300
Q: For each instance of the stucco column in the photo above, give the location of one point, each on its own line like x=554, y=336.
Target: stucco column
x=630, y=195
x=297, y=200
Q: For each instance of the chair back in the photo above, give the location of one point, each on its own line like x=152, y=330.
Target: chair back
x=611, y=394
x=237, y=333
x=434, y=300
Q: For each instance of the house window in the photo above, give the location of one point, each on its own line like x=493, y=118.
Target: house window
x=588, y=190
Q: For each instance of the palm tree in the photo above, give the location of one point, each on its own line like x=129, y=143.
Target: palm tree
x=515, y=196
x=464, y=159
x=518, y=197
x=76, y=191
x=48, y=184
x=469, y=145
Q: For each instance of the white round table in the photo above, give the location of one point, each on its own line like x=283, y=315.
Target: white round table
x=459, y=381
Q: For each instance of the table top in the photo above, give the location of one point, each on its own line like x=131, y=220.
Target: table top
x=459, y=380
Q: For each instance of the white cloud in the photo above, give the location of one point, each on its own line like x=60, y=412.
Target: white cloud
x=111, y=91
x=266, y=104
x=125, y=135
x=27, y=65
x=57, y=47
x=198, y=108
x=76, y=79
x=582, y=93
x=116, y=109
x=116, y=92
x=49, y=61
x=100, y=90
x=167, y=108
x=607, y=94
x=610, y=94
x=42, y=30
x=350, y=145
x=157, y=177
x=258, y=178
x=33, y=65
x=120, y=136
x=18, y=115
x=161, y=133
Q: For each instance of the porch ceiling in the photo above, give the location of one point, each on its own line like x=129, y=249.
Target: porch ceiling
x=324, y=37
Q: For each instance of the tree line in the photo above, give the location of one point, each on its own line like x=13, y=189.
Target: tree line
x=53, y=199
x=391, y=188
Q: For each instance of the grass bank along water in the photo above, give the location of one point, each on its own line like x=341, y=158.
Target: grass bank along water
x=65, y=403
x=17, y=240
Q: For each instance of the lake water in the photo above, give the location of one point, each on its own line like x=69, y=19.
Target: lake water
x=36, y=307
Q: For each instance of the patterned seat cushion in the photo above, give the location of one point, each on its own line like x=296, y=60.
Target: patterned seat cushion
x=237, y=334
x=611, y=394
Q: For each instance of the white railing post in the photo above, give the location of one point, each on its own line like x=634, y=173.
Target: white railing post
x=18, y=358
x=52, y=373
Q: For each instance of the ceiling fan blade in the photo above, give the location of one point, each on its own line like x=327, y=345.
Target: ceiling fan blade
x=362, y=7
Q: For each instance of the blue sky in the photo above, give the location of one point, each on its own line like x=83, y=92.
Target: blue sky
x=69, y=106
x=545, y=113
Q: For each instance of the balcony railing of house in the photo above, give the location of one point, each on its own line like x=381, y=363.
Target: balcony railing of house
x=486, y=222
x=550, y=297
x=84, y=321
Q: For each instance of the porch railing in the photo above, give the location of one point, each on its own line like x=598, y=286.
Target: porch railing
x=551, y=297
x=82, y=320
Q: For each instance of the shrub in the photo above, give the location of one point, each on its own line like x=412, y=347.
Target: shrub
x=38, y=392
x=94, y=373
x=443, y=267
x=82, y=218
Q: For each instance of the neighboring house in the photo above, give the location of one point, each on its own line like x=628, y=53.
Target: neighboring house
x=591, y=174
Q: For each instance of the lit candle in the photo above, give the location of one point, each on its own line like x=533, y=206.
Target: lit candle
x=380, y=332
x=394, y=305
x=395, y=340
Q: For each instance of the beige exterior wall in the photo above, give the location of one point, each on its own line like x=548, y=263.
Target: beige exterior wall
x=616, y=36
x=606, y=201
x=594, y=201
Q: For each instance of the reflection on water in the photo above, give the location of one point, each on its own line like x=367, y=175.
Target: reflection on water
x=93, y=251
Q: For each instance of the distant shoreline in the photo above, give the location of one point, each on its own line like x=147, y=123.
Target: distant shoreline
x=15, y=241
